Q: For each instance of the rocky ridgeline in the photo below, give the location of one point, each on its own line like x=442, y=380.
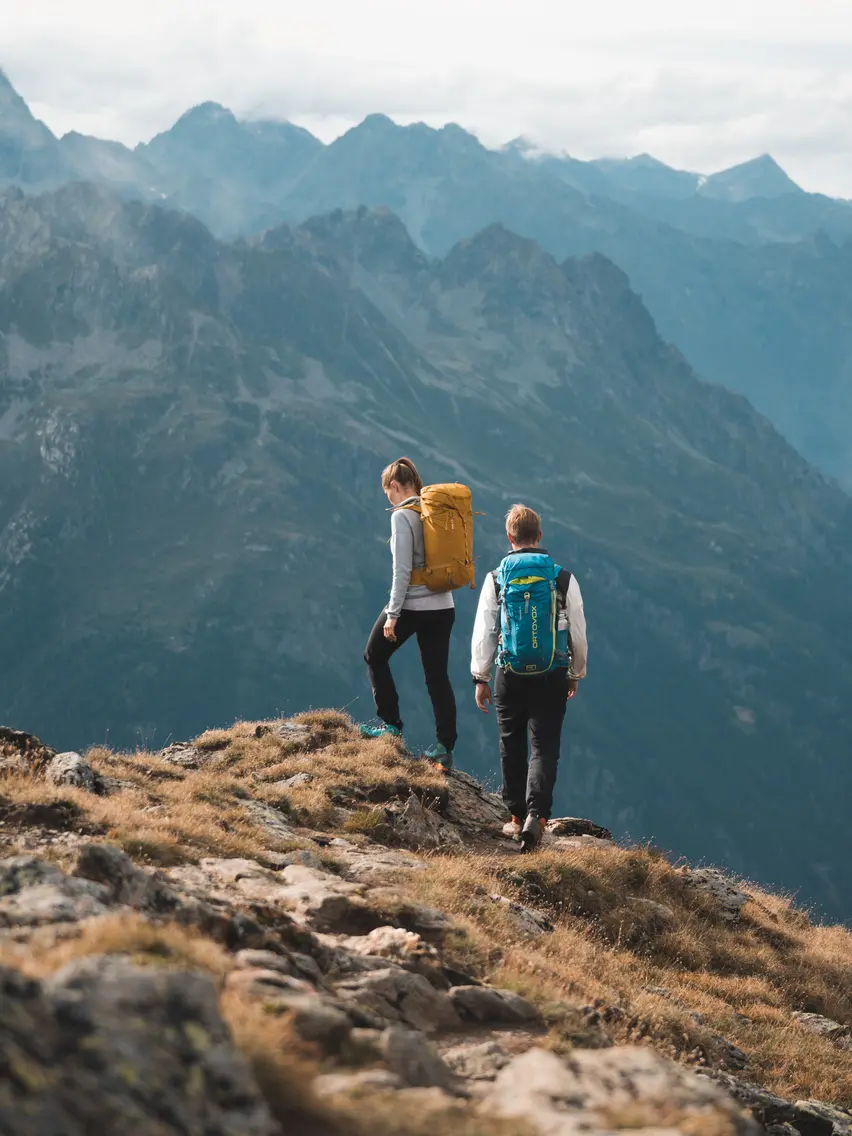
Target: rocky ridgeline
x=330, y=937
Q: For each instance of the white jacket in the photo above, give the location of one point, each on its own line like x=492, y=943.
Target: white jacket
x=486, y=629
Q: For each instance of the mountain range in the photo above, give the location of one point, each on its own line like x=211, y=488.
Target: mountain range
x=192, y=529
x=742, y=270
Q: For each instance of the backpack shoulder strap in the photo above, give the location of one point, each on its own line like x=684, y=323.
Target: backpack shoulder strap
x=563, y=583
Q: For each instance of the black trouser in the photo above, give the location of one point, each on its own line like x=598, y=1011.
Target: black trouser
x=530, y=709
x=433, y=630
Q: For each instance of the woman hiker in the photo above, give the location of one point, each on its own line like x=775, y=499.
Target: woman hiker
x=413, y=610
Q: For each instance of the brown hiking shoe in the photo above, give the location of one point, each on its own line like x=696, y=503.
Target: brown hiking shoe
x=532, y=833
x=513, y=827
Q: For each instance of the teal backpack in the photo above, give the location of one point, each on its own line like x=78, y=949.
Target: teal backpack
x=529, y=586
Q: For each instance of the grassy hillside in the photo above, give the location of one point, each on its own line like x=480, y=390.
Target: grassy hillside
x=271, y=842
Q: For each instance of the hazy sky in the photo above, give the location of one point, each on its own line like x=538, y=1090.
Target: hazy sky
x=699, y=84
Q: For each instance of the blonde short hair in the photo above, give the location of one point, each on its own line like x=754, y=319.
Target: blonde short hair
x=523, y=525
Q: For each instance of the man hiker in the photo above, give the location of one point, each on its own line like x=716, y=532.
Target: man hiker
x=530, y=617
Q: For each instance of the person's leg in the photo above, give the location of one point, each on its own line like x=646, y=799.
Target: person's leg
x=377, y=656
x=434, y=629
x=510, y=702
x=548, y=700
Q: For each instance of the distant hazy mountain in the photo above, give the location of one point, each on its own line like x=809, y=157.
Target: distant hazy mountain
x=29, y=153
x=191, y=527
x=761, y=177
x=743, y=271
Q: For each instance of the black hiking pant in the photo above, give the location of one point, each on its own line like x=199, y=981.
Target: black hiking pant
x=433, y=630
x=530, y=712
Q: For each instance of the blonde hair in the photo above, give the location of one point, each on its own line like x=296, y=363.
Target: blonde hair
x=404, y=472
x=523, y=525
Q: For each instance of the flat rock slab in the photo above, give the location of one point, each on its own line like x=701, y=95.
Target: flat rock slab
x=577, y=826
x=478, y=1062
x=486, y=1005
x=838, y=1034
x=372, y=863
x=588, y=1091
x=34, y=893
x=400, y=996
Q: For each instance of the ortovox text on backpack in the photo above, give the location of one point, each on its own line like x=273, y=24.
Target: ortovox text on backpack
x=531, y=640
x=447, y=516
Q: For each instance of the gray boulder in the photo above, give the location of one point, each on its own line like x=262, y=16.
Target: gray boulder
x=400, y=996
x=111, y=1047
x=729, y=898
x=33, y=892
x=414, y=1060
x=484, y=1004
x=71, y=769
x=838, y=1034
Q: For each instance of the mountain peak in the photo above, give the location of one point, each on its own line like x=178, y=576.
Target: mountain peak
x=759, y=177
x=499, y=255
x=207, y=114
x=374, y=238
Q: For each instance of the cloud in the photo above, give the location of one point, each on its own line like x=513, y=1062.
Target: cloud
x=700, y=89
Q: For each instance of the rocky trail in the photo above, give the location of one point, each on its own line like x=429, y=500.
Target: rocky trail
x=382, y=961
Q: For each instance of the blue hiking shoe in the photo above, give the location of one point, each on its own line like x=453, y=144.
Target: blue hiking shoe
x=439, y=755
x=382, y=730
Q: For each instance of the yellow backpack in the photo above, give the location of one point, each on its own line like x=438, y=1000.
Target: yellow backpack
x=447, y=515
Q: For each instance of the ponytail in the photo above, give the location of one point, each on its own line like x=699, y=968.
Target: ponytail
x=404, y=472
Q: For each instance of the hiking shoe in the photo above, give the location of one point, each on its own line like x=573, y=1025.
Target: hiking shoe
x=532, y=833
x=440, y=756
x=382, y=730
x=513, y=828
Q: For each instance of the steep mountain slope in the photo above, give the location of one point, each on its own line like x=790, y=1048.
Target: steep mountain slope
x=29, y=153
x=191, y=526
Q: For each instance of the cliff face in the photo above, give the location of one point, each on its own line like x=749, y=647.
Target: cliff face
x=191, y=526
x=279, y=928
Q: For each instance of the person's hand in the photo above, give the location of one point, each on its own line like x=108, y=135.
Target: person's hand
x=573, y=683
x=483, y=696
x=390, y=629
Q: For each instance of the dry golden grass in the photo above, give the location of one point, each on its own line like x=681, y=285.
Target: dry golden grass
x=162, y=944
x=165, y=814
x=662, y=1115
x=744, y=980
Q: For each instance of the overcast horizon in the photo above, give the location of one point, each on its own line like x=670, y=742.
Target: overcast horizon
x=700, y=90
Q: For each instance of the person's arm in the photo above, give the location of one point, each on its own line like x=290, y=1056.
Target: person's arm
x=577, y=642
x=486, y=631
x=402, y=550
